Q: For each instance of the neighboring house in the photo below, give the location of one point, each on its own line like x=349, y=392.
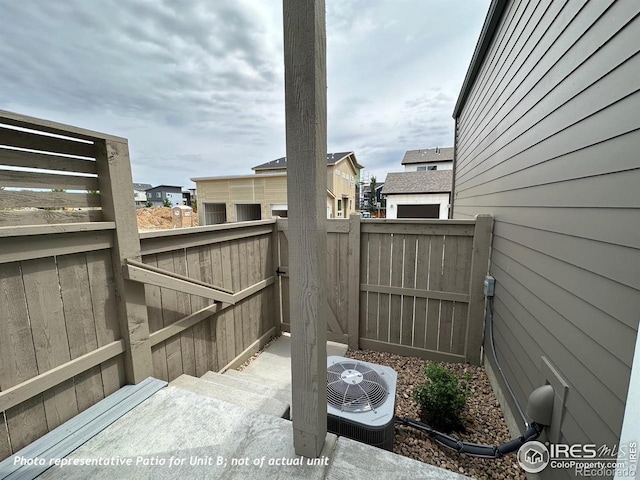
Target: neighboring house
x=157, y=195
x=428, y=159
x=186, y=198
x=139, y=193
x=547, y=135
x=264, y=194
x=418, y=194
x=377, y=199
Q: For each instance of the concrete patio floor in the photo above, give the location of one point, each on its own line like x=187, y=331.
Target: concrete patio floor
x=177, y=433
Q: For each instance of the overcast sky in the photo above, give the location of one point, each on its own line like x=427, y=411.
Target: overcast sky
x=197, y=85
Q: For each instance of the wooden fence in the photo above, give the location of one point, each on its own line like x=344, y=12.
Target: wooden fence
x=190, y=333
x=403, y=286
x=64, y=329
x=86, y=305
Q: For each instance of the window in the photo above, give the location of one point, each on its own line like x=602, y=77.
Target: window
x=158, y=194
x=215, y=213
x=339, y=205
x=338, y=172
x=424, y=168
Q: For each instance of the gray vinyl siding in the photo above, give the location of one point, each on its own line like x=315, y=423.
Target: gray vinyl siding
x=548, y=142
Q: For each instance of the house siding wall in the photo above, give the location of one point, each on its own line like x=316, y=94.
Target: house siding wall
x=266, y=190
x=343, y=186
x=548, y=143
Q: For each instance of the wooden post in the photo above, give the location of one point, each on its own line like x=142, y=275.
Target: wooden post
x=479, y=269
x=306, y=132
x=353, y=329
x=116, y=193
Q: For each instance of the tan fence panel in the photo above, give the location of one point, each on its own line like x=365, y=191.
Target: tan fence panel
x=52, y=311
x=233, y=257
x=416, y=286
x=63, y=333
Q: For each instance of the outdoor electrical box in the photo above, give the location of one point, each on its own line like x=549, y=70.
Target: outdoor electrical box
x=489, y=286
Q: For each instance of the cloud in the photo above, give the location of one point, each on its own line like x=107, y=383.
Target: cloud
x=197, y=86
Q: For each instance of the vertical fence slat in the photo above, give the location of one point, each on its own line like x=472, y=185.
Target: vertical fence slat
x=183, y=300
x=422, y=279
x=266, y=271
x=244, y=308
x=342, y=309
x=153, y=299
x=364, y=278
x=170, y=315
x=373, y=278
x=232, y=334
x=397, y=252
x=255, y=275
x=408, y=281
x=49, y=332
x=333, y=274
x=384, y=303
x=81, y=328
x=198, y=261
x=461, y=310
x=447, y=285
x=105, y=312
x=354, y=281
x=26, y=421
x=219, y=322
x=435, y=277
x=238, y=309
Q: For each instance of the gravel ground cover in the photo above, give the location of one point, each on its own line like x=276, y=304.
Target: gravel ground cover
x=482, y=417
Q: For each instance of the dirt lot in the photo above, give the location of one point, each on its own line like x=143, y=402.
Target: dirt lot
x=158, y=218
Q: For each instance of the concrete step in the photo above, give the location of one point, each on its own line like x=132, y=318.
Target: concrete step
x=246, y=398
x=260, y=381
x=246, y=382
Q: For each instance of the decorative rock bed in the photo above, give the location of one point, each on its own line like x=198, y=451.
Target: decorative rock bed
x=482, y=417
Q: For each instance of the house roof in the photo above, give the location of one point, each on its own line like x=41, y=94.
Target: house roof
x=166, y=186
x=428, y=155
x=332, y=159
x=438, y=181
x=491, y=22
x=142, y=186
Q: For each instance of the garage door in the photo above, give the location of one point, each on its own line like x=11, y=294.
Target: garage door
x=419, y=211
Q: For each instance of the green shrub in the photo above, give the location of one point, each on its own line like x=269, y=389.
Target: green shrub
x=442, y=398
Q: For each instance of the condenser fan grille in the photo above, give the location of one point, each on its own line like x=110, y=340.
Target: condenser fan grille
x=354, y=387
